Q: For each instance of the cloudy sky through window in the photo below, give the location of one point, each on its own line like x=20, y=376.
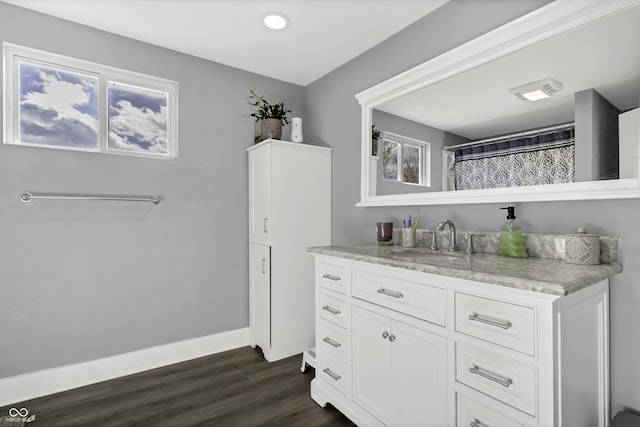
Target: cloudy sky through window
x=137, y=119
x=58, y=107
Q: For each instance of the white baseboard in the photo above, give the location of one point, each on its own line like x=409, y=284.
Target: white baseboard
x=49, y=381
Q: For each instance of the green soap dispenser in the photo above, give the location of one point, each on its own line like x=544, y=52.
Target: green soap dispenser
x=511, y=238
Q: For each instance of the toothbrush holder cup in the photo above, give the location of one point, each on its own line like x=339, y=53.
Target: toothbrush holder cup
x=384, y=233
x=408, y=237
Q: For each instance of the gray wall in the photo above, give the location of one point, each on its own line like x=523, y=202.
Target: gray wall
x=85, y=280
x=333, y=118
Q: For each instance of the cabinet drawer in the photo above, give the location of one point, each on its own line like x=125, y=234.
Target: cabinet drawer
x=499, y=377
x=334, y=277
x=509, y=325
x=334, y=373
x=332, y=341
x=471, y=413
x=332, y=309
x=415, y=299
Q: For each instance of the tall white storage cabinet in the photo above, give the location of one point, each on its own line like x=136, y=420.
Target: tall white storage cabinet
x=289, y=210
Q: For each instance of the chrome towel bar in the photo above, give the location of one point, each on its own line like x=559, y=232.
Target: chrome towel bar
x=27, y=197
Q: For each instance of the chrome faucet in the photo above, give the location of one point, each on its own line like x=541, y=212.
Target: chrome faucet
x=453, y=245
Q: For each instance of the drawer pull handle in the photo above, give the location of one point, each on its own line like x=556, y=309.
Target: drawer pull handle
x=331, y=309
x=479, y=371
x=500, y=324
x=390, y=293
x=331, y=374
x=476, y=423
x=331, y=342
x=331, y=277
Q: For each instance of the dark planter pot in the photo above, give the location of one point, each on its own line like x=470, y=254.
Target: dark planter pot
x=374, y=147
x=271, y=129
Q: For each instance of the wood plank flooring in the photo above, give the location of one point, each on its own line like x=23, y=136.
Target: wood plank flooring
x=234, y=388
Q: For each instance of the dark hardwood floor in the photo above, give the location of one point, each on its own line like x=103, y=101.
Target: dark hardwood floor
x=234, y=388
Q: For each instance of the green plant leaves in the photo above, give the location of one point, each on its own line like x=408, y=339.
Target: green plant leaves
x=264, y=110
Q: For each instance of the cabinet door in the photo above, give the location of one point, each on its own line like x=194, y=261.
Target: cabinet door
x=399, y=371
x=259, y=194
x=260, y=296
x=420, y=369
x=372, y=387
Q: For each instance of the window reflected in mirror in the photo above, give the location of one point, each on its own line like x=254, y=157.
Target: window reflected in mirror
x=404, y=160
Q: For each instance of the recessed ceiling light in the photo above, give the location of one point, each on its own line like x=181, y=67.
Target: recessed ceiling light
x=537, y=90
x=275, y=20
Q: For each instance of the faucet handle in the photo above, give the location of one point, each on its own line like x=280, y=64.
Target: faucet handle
x=434, y=243
x=470, y=241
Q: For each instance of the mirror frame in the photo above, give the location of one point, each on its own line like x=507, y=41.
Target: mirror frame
x=544, y=23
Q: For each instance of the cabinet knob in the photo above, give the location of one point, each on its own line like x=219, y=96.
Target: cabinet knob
x=392, y=337
x=385, y=335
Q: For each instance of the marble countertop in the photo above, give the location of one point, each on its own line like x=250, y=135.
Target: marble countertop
x=544, y=275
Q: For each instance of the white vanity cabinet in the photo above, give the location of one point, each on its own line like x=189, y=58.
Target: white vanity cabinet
x=420, y=349
x=399, y=362
x=398, y=370
x=289, y=210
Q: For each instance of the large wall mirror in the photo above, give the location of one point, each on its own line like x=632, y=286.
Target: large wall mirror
x=449, y=128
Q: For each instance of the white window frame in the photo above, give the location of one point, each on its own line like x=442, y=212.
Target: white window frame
x=424, y=161
x=14, y=54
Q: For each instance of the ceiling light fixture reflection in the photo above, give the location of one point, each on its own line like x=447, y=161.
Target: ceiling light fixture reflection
x=536, y=91
x=276, y=21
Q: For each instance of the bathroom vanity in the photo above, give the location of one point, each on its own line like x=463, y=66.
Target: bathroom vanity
x=406, y=337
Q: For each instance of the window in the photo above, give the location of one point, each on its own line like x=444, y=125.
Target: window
x=59, y=102
x=405, y=160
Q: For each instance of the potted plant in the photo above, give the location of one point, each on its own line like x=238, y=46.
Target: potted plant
x=271, y=117
x=375, y=137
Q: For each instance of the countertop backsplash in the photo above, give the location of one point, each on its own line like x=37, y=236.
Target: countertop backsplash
x=550, y=246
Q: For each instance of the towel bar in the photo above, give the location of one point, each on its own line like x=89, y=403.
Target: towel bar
x=27, y=197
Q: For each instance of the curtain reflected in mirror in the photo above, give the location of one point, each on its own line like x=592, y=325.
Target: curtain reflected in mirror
x=540, y=157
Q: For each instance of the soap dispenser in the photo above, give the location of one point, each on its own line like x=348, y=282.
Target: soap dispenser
x=511, y=238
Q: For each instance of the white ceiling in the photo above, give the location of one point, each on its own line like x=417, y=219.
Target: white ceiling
x=323, y=34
